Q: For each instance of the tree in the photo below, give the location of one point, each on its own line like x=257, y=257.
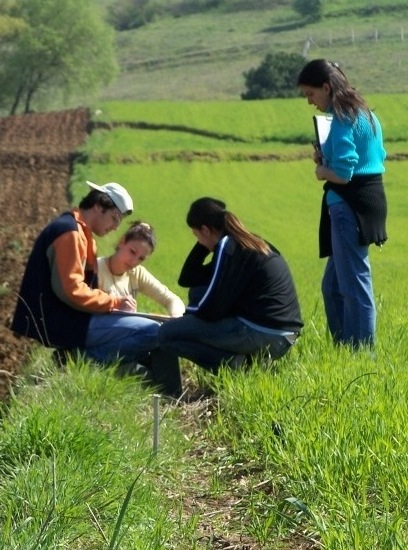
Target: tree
x=276, y=76
x=131, y=14
x=59, y=45
x=311, y=9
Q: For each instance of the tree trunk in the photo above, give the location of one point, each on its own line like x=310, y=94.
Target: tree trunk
x=17, y=100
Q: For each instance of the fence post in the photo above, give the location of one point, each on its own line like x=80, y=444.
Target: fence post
x=156, y=422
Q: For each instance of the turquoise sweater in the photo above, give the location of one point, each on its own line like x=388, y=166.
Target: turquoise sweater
x=353, y=148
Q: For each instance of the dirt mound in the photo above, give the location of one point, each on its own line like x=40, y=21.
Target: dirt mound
x=36, y=155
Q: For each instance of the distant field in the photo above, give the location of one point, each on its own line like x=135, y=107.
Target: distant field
x=203, y=56
x=282, y=119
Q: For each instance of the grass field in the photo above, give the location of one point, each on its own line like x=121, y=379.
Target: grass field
x=204, y=55
x=308, y=453
x=254, y=122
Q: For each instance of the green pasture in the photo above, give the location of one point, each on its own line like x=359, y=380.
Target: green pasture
x=128, y=145
x=346, y=6
x=279, y=200
x=305, y=453
x=203, y=56
x=167, y=168
x=239, y=119
x=72, y=454
x=268, y=197
x=287, y=120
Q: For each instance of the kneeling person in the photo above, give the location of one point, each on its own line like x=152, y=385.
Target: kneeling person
x=248, y=302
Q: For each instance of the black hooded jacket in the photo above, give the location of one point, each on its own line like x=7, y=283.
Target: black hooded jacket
x=243, y=283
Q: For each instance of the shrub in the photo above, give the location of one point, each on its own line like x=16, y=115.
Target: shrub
x=276, y=76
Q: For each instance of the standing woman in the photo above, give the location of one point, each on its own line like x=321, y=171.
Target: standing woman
x=248, y=302
x=354, y=206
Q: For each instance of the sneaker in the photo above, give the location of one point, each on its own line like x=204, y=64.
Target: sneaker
x=237, y=361
x=139, y=370
x=133, y=369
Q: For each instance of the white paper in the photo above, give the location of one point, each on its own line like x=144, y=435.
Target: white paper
x=322, y=125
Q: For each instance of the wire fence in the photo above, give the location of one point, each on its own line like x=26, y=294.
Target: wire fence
x=350, y=36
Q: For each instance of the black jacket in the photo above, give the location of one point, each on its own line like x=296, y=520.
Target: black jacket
x=243, y=283
x=366, y=196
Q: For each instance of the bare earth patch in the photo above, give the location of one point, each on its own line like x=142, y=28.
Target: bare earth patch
x=36, y=153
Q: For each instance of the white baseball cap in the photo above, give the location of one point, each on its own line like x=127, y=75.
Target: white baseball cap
x=117, y=193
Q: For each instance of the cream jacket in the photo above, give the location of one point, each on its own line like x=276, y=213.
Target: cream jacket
x=138, y=279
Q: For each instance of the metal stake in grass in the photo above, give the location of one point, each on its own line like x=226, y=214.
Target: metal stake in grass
x=156, y=412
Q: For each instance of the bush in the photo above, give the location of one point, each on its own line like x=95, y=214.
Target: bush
x=276, y=76
x=312, y=9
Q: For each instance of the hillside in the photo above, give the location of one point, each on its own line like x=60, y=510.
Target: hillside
x=203, y=55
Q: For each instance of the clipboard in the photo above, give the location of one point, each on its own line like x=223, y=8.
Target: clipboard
x=322, y=124
x=153, y=316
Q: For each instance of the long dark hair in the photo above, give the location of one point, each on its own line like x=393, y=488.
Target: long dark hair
x=213, y=213
x=346, y=102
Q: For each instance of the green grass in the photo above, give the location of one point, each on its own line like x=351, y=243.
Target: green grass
x=264, y=195
x=308, y=451
x=333, y=470
x=253, y=121
x=155, y=167
x=203, y=56
x=71, y=448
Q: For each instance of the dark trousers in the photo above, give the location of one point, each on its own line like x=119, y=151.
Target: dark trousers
x=165, y=372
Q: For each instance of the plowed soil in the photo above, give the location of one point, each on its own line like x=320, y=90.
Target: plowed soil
x=36, y=155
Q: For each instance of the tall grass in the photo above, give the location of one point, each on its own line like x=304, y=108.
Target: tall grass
x=316, y=441
x=325, y=429
x=76, y=459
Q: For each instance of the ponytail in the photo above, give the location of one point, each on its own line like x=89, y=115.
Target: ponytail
x=235, y=228
x=213, y=214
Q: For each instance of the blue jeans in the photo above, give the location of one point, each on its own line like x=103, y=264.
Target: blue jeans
x=209, y=344
x=347, y=285
x=113, y=336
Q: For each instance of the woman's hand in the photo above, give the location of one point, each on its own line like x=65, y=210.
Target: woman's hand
x=127, y=303
x=317, y=154
x=324, y=173
x=321, y=172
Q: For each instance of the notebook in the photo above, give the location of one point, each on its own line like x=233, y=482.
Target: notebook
x=322, y=125
x=153, y=316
